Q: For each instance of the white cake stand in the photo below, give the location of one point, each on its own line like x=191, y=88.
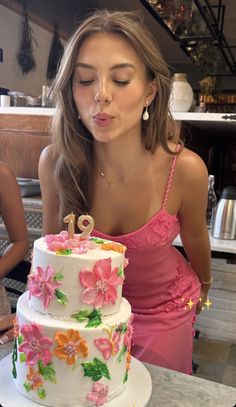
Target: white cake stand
x=136, y=394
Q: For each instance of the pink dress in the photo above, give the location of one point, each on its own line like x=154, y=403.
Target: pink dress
x=160, y=286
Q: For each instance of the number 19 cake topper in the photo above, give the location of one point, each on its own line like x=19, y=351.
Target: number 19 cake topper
x=86, y=228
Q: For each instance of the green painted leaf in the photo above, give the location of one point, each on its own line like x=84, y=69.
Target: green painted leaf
x=20, y=340
x=96, y=370
x=47, y=371
x=121, y=271
x=97, y=240
x=58, y=277
x=122, y=328
x=125, y=376
x=81, y=315
x=14, y=358
x=41, y=393
x=121, y=353
x=95, y=319
x=93, y=316
x=22, y=357
x=14, y=371
x=14, y=351
x=64, y=252
x=61, y=297
x=27, y=386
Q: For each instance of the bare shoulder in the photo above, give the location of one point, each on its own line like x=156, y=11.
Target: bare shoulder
x=5, y=171
x=7, y=176
x=49, y=155
x=47, y=160
x=191, y=174
x=190, y=165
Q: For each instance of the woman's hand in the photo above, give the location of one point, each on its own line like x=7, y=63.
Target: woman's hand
x=203, y=299
x=6, y=324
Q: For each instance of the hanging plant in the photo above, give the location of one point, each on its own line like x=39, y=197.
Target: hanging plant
x=208, y=57
x=55, y=54
x=25, y=55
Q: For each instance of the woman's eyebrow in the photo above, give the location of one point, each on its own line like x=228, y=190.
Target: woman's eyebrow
x=123, y=65
x=82, y=65
x=114, y=67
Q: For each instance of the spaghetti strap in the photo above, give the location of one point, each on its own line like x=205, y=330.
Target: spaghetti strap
x=171, y=174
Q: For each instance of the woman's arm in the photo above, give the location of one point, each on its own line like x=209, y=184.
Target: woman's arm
x=12, y=212
x=192, y=215
x=6, y=328
x=48, y=190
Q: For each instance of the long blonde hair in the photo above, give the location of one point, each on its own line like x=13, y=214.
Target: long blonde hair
x=73, y=172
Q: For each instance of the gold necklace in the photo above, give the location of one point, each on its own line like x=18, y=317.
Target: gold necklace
x=103, y=174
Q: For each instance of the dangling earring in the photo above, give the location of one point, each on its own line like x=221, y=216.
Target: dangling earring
x=145, y=115
x=79, y=116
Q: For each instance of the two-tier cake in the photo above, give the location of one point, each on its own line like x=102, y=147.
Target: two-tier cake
x=73, y=329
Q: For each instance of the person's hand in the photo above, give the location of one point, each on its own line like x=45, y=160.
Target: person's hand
x=6, y=328
x=203, y=299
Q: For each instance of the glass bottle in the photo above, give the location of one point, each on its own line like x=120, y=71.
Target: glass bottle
x=212, y=202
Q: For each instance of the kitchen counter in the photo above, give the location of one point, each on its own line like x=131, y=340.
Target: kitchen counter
x=35, y=111
x=174, y=389
x=217, y=245
x=185, y=116
x=28, y=130
x=24, y=133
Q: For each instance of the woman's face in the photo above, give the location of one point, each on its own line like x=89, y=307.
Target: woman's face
x=110, y=87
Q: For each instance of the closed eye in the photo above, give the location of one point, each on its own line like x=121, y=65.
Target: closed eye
x=88, y=82
x=122, y=83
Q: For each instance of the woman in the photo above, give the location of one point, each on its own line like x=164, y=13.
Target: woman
x=115, y=158
x=11, y=210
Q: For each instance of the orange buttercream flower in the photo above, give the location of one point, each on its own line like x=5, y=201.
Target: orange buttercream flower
x=71, y=345
x=120, y=248
x=35, y=379
x=128, y=361
x=16, y=327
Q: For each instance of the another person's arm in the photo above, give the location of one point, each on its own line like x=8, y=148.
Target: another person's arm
x=6, y=328
x=12, y=213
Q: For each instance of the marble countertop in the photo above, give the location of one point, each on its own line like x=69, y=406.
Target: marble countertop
x=38, y=111
x=217, y=245
x=186, y=116
x=174, y=389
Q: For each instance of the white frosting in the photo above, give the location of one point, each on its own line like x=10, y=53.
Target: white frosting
x=72, y=387
x=70, y=266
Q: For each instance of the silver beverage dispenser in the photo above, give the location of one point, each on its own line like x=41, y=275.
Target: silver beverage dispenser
x=224, y=225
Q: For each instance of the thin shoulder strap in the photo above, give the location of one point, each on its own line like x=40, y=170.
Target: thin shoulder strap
x=171, y=174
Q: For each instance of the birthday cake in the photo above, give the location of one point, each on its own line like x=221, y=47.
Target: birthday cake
x=73, y=329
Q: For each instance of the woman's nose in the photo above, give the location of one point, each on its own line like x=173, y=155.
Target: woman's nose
x=102, y=96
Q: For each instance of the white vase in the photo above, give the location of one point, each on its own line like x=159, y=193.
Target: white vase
x=181, y=98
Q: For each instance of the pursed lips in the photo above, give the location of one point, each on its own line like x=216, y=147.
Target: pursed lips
x=102, y=119
x=102, y=116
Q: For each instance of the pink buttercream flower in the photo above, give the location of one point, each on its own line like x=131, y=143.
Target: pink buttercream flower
x=108, y=346
x=129, y=333
x=126, y=262
x=61, y=242
x=99, y=394
x=35, y=345
x=43, y=285
x=100, y=283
